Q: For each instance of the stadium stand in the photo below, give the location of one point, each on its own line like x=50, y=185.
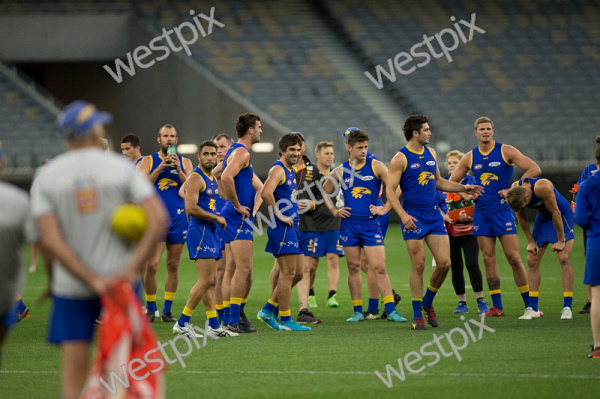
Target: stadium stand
x=535, y=71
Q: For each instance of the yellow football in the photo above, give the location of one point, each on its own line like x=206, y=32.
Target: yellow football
x=129, y=221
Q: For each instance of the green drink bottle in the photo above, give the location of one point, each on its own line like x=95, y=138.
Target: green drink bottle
x=171, y=150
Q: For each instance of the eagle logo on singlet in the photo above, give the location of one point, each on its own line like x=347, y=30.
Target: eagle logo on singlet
x=293, y=196
x=165, y=183
x=212, y=206
x=358, y=192
x=424, y=178
x=486, y=178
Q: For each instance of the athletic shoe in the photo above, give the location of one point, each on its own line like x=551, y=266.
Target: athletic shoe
x=397, y=297
x=291, y=325
x=396, y=317
x=306, y=317
x=418, y=324
x=312, y=302
x=23, y=314
x=244, y=320
x=216, y=333
x=461, y=308
x=586, y=308
x=32, y=268
x=566, y=314
x=186, y=330
x=240, y=328
x=356, y=317
x=268, y=318
x=483, y=307
x=384, y=315
x=150, y=316
x=430, y=316
x=528, y=315
x=156, y=313
x=537, y=315
x=368, y=315
x=332, y=302
x=494, y=312
x=168, y=317
x=595, y=354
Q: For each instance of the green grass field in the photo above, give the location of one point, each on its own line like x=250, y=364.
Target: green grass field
x=543, y=358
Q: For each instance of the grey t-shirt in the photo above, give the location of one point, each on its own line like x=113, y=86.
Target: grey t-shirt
x=16, y=226
x=82, y=188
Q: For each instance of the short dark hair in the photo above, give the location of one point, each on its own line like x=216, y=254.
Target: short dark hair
x=167, y=126
x=357, y=136
x=206, y=143
x=244, y=122
x=218, y=137
x=413, y=124
x=287, y=140
x=131, y=139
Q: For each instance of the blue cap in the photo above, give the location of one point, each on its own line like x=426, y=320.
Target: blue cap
x=301, y=135
x=79, y=117
x=348, y=131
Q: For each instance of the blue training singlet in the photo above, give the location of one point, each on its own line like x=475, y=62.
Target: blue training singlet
x=537, y=204
x=243, y=181
x=379, y=199
x=419, y=193
x=361, y=191
x=494, y=173
x=207, y=199
x=286, y=191
x=167, y=185
x=220, y=203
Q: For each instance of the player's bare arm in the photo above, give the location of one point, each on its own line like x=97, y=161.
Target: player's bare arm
x=258, y=187
x=462, y=169
x=544, y=189
x=512, y=155
x=146, y=163
x=394, y=175
x=331, y=182
x=195, y=185
x=187, y=165
x=238, y=160
x=275, y=178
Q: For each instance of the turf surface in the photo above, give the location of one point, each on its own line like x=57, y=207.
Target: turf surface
x=543, y=358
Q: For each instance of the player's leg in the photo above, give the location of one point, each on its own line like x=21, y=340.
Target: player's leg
x=150, y=283
x=458, y=275
x=595, y=321
x=219, y=287
x=313, y=265
x=242, y=255
x=304, y=284
x=534, y=278
x=510, y=244
x=333, y=278
x=416, y=253
x=307, y=270
x=488, y=253
x=173, y=258
x=470, y=250
x=74, y=367
x=439, y=245
x=353, y=255
x=243, y=318
x=588, y=288
x=372, y=312
x=290, y=265
x=564, y=258
x=226, y=286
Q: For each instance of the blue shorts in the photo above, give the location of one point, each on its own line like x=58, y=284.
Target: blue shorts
x=497, y=224
x=176, y=234
x=308, y=241
x=592, y=263
x=8, y=319
x=284, y=240
x=221, y=235
x=203, y=242
x=427, y=223
x=544, y=232
x=384, y=222
x=327, y=242
x=360, y=233
x=237, y=228
x=73, y=319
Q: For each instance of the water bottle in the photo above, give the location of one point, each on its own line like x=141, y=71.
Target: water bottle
x=171, y=150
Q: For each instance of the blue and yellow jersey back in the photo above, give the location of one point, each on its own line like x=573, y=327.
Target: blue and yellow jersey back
x=418, y=181
x=361, y=191
x=537, y=204
x=286, y=191
x=207, y=198
x=493, y=173
x=167, y=185
x=243, y=181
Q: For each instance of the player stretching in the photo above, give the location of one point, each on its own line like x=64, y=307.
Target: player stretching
x=415, y=169
x=359, y=225
x=167, y=173
x=553, y=225
x=492, y=164
x=284, y=239
x=240, y=186
x=204, y=245
x=130, y=147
